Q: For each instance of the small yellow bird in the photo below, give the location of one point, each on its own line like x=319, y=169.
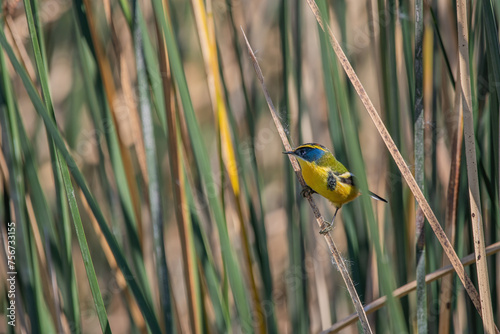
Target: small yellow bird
x=326, y=176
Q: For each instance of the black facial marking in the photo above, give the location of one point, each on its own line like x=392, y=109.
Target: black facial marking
x=331, y=181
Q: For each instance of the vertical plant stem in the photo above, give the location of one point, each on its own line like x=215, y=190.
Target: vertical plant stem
x=154, y=177
x=419, y=167
x=231, y=266
x=441, y=45
x=24, y=262
x=120, y=156
x=386, y=17
x=70, y=294
x=470, y=154
x=258, y=225
x=110, y=90
x=451, y=212
x=297, y=312
x=185, y=230
x=206, y=31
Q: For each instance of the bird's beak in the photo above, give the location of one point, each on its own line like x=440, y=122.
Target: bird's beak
x=289, y=152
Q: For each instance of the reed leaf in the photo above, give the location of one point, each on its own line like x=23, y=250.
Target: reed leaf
x=55, y=135
x=485, y=309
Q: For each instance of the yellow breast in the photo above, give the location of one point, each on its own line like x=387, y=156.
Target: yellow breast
x=317, y=178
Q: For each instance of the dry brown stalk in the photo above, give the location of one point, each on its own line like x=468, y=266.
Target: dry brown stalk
x=451, y=212
x=182, y=217
x=470, y=154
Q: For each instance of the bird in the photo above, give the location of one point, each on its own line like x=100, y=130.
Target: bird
x=327, y=176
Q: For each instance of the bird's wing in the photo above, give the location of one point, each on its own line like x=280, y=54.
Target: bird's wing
x=346, y=178
x=349, y=178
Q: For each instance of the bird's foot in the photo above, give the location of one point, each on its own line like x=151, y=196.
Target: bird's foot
x=307, y=191
x=326, y=227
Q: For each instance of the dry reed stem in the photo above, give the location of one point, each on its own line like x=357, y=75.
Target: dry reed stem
x=182, y=217
x=337, y=257
x=134, y=121
x=409, y=287
x=451, y=211
x=470, y=154
x=4, y=171
x=398, y=159
x=134, y=118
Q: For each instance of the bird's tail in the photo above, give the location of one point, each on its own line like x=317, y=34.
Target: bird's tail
x=377, y=197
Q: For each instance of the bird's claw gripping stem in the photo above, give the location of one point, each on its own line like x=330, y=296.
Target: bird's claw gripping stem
x=326, y=227
x=307, y=191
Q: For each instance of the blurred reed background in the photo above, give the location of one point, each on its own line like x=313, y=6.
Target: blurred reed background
x=144, y=173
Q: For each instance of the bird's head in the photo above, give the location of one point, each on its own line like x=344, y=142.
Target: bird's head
x=310, y=152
